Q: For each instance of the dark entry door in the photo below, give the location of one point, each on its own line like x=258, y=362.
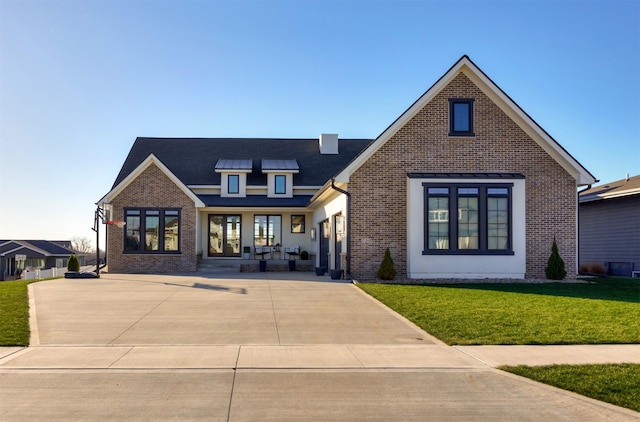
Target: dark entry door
x=224, y=235
x=324, y=243
x=337, y=236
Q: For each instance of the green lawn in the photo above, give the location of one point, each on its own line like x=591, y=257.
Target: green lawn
x=14, y=313
x=615, y=384
x=603, y=311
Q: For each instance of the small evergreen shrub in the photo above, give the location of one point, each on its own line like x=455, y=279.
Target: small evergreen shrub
x=304, y=255
x=73, y=264
x=387, y=270
x=555, y=265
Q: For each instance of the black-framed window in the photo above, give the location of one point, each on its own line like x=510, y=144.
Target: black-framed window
x=461, y=117
x=280, y=184
x=267, y=230
x=297, y=223
x=152, y=230
x=468, y=219
x=233, y=183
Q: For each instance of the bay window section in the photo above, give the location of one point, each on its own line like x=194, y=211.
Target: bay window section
x=152, y=230
x=467, y=219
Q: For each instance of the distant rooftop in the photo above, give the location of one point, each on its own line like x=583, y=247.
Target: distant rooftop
x=619, y=188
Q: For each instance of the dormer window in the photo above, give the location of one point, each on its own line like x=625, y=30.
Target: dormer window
x=280, y=184
x=280, y=177
x=233, y=177
x=233, y=183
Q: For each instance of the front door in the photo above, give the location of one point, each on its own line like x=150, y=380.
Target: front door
x=324, y=234
x=224, y=235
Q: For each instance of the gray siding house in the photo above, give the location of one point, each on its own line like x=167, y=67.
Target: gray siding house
x=39, y=254
x=609, y=228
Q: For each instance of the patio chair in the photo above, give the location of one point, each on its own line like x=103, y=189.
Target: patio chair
x=293, y=251
x=261, y=251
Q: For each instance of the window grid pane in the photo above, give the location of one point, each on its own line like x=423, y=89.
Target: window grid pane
x=132, y=239
x=438, y=221
x=151, y=234
x=497, y=223
x=171, y=232
x=468, y=223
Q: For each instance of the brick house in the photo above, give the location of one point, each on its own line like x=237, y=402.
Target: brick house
x=464, y=184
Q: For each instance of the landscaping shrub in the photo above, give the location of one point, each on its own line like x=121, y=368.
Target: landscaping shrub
x=304, y=255
x=555, y=265
x=387, y=270
x=73, y=264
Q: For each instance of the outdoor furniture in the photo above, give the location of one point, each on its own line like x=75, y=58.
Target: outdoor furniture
x=293, y=251
x=261, y=251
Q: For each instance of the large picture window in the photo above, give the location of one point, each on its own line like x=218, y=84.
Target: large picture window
x=152, y=230
x=267, y=230
x=468, y=219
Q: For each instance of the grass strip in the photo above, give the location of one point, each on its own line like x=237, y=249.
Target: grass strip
x=14, y=312
x=602, y=312
x=618, y=384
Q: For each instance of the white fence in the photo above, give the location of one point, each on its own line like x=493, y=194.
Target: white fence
x=50, y=273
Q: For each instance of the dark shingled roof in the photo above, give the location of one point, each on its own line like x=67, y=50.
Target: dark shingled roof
x=48, y=246
x=193, y=160
x=624, y=187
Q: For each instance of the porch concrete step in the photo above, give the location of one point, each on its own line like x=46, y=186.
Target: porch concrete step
x=249, y=265
x=219, y=265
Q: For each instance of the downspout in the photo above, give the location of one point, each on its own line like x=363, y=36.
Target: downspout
x=348, y=257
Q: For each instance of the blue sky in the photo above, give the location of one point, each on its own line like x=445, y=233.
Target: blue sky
x=80, y=80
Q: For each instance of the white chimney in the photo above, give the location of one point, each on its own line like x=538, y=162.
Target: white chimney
x=328, y=143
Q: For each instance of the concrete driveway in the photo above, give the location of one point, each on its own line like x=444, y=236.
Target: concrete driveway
x=266, y=346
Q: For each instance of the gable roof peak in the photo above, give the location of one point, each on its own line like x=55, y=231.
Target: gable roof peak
x=500, y=98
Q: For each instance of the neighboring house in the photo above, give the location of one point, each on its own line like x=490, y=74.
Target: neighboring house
x=609, y=228
x=39, y=254
x=464, y=184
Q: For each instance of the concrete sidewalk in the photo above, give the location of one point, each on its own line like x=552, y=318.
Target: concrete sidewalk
x=268, y=346
x=495, y=356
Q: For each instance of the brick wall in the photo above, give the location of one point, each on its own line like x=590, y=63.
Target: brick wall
x=379, y=215
x=152, y=188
